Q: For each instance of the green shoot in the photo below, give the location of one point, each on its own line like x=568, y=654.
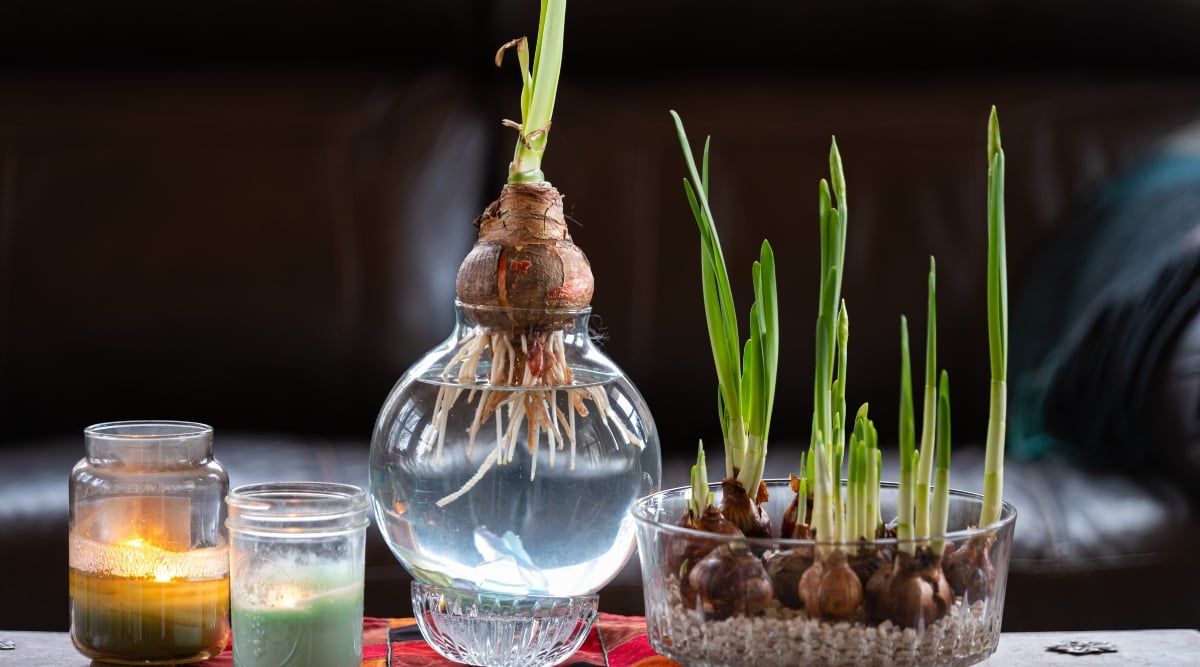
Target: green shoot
x=852, y=489
x=866, y=505
x=904, y=503
x=859, y=522
x=746, y=377
x=802, y=497
x=701, y=497
x=839, y=403
x=940, y=512
x=874, y=512
x=997, y=305
x=929, y=414
x=825, y=510
x=538, y=91
x=826, y=449
x=802, y=489
x=833, y=251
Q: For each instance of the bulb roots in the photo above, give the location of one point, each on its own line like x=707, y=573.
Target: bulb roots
x=526, y=375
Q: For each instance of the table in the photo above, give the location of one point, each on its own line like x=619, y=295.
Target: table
x=1021, y=649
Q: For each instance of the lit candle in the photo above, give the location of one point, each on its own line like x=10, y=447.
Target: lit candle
x=149, y=554
x=296, y=574
x=136, y=601
x=300, y=623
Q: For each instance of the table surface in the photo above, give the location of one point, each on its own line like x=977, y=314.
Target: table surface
x=1017, y=649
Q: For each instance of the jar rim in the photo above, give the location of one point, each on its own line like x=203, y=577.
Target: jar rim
x=292, y=502
x=147, y=429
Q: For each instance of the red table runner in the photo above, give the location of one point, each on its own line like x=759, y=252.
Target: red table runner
x=614, y=641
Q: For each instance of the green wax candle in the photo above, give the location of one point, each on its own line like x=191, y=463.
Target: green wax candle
x=290, y=626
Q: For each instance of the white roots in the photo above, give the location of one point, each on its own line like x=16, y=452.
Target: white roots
x=525, y=383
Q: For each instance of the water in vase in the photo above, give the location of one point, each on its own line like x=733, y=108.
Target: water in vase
x=518, y=491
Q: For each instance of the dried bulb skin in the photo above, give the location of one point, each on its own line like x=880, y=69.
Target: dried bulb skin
x=690, y=549
x=789, y=529
x=746, y=514
x=729, y=580
x=868, y=559
x=785, y=569
x=969, y=568
x=875, y=598
x=831, y=590
x=911, y=593
x=524, y=257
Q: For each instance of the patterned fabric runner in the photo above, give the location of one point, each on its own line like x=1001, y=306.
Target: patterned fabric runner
x=614, y=641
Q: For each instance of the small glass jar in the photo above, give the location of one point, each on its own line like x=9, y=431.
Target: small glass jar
x=149, y=560
x=297, y=558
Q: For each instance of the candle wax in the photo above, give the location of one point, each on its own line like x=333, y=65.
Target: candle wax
x=143, y=621
x=294, y=629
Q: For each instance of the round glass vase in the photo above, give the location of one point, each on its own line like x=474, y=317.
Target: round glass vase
x=503, y=467
x=149, y=559
x=757, y=616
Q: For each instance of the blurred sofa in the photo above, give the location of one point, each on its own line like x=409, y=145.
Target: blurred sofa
x=230, y=213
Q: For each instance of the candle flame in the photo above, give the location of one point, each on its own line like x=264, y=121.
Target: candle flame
x=287, y=596
x=147, y=556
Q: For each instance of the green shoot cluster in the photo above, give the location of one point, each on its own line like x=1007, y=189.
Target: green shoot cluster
x=828, y=443
x=745, y=374
x=862, y=481
x=923, y=501
x=747, y=380
x=923, y=494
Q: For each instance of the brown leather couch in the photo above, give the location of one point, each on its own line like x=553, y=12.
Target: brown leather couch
x=252, y=217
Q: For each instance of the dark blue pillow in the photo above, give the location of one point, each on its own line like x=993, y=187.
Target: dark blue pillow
x=1096, y=323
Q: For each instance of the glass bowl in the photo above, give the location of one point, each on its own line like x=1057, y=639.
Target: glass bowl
x=703, y=634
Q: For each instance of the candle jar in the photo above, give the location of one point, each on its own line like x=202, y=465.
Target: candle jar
x=296, y=565
x=149, y=560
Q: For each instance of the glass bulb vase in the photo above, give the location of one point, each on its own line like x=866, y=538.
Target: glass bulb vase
x=504, y=464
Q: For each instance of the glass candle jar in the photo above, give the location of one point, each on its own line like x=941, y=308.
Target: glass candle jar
x=297, y=559
x=149, y=560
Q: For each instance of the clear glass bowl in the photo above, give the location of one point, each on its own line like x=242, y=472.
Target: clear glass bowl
x=782, y=634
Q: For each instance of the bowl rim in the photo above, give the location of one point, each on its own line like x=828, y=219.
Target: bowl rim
x=503, y=597
x=640, y=512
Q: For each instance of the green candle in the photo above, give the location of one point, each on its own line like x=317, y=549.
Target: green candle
x=296, y=574
x=290, y=625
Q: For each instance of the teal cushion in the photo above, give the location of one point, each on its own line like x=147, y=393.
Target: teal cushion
x=1094, y=326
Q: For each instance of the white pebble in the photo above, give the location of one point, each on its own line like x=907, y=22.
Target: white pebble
x=782, y=637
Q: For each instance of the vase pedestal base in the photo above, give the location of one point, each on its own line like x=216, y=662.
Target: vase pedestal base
x=502, y=630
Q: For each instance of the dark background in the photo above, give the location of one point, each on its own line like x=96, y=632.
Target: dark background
x=231, y=168
x=251, y=213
